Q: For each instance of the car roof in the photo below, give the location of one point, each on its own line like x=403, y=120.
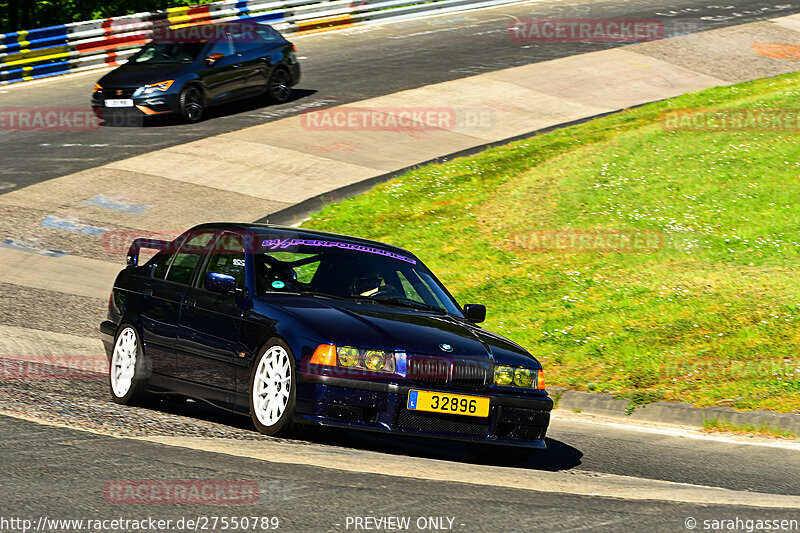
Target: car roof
x=245, y=22
x=261, y=228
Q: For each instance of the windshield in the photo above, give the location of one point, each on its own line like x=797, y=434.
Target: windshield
x=160, y=52
x=342, y=270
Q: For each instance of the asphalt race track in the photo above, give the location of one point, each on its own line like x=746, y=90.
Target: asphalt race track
x=350, y=474
x=347, y=66
x=290, y=492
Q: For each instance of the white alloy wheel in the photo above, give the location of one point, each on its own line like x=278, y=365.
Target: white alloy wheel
x=123, y=362
x=272, y=385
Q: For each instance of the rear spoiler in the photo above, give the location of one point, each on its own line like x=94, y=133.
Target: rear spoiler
x=138, y=244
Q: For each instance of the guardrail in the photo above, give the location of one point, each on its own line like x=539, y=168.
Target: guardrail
x=79, y=46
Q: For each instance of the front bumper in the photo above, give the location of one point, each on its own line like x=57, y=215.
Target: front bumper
x=108, y=331
x=143, y=106
x=376, y=406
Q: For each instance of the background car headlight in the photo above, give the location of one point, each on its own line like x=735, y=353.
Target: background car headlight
x=154, y=87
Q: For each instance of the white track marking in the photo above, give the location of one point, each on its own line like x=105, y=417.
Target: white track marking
x=678, y=431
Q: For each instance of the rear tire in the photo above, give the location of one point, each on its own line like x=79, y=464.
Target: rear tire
x=500, y=455
x=127, y=373
x=279, y=87
x=192, y=104
x=273, y=387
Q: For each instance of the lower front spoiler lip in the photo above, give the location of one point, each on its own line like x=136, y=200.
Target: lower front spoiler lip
x=142, y=106
x=327, y=422
x=380, y=407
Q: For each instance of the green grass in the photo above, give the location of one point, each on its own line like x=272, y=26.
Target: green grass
x=713, y=426
x=701, y=305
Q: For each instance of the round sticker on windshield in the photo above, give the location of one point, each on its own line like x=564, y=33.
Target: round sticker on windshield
x=278, y=284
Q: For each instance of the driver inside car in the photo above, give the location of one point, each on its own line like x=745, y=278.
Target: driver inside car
x=367, y=285
x=373, y=282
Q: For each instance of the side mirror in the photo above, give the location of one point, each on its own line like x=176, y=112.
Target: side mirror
x=475, y=312
x=213, y=58
x=221, y=283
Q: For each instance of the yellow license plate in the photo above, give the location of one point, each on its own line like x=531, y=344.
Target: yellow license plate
x=454, y=404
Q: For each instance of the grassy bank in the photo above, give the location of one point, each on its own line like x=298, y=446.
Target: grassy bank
x=628, y=258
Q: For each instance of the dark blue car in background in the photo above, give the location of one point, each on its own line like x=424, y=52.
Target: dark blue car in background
x=186, y=70
x=301, y=327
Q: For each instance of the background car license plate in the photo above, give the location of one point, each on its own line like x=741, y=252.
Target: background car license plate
x=119, y=103
x=455, y=404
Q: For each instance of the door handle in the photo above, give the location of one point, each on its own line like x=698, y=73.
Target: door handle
x=237, y=65
x=190, y=303
x=148, y=292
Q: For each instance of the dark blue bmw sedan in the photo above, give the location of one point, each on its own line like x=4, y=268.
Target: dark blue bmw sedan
x=293, y=326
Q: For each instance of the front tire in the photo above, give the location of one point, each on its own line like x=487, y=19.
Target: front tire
x=192, y=104
x=273, y=387
x=127, y=375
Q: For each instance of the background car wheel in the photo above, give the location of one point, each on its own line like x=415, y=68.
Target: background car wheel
x=272, y=390
x=497, y=454
x=279, y=88
x=127, y=376
x=192, y=104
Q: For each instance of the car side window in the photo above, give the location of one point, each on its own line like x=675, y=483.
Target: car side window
x=268, y=35
x=224, y=46
x=226, y=257
x=162, y=262
x=187, y=258
x=245, y=39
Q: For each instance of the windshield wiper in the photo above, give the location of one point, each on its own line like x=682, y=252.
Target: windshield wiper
x=405, y=302
x=396, y=300
x=322, y=294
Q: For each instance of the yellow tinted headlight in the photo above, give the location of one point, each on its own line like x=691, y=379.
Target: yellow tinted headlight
x=503, y=375
x=523, y=377
x=348, y=356
x=374, y=360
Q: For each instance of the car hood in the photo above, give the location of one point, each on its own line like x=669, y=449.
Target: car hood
x=138, y=74
x=388, y=327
